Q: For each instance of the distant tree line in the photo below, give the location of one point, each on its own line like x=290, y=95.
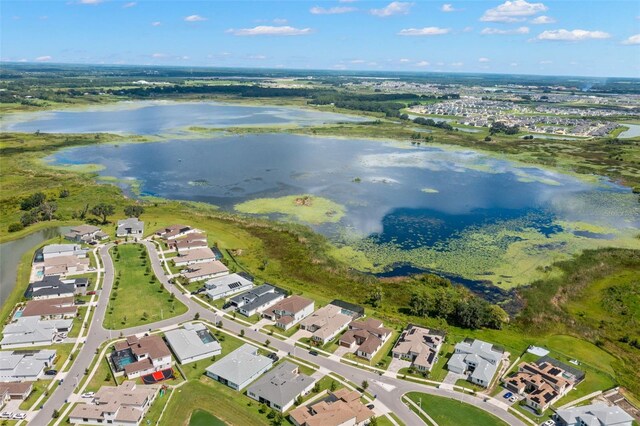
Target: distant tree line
x=432, y=123
x=500, y=127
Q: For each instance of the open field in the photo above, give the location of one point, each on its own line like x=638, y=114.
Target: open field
x=134, y=282
x=447, y=412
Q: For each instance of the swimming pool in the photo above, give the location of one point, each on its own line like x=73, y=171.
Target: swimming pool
x=206, y=336
x=122, y=358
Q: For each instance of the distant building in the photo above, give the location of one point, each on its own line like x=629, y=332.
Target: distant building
x=17, y=366
x=240, y=367
x=15, y=390
x=124, y=405
x=420, y=346
x=85, y=234
x=175, y=231
x=54, y=250
x=326, y=323
x=131, y=227
x=480, y=360
x=290, y=311
x=598, y=414
x=228, y=285
x=51, y=287
x=280, y=387
x=192, y=342
x=192, y=257
x=204, y=271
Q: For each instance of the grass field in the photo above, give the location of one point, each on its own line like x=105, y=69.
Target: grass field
x=135, y=282
x=204, y=418
x=448, y=412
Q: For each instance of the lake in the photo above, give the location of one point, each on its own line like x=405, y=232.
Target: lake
x=162, y=116
x=451, y=210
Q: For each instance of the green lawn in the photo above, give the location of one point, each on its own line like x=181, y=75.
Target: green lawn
x=290, y=332
x=134, y=283
x=230, y=406
x=38, y=389
x=204, y=418
x=103, y=377
x=449, y=412
x=153, y=414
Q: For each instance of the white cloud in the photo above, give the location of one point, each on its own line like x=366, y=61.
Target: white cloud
x=194, y=18
x=44, y=58
x=89, y=1
x=634, y=39
x=358, y=61
x=128, y=5
x=484, y=60
x=513, y=11
x=457, y=64
x=448, y=7
x=423, y=64
x=393, y=8
x=347, y=1
x=493, y=31
x=317, y=10
x=270, y=30
x=156, y=23
x=426, y=31
x=573, y=35
x=258, y=57
x=513, y=64
x=543, y=19
x=159, y=55
x=405, y=60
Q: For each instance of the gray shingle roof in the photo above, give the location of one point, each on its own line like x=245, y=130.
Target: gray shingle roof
x=281, y=385
x=240, y=365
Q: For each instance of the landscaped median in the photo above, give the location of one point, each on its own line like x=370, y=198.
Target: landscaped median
x=449, y=412
x=137, y=296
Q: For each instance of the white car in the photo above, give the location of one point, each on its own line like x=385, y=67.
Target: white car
x=513, y=399
x=549, y=423
x=63, y=335
x=19, y=416
x=6, y=415
x=88, y=394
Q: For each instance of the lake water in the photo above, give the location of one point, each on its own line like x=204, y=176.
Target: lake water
x=425, y=201
x=634, y=131
x=161, y=116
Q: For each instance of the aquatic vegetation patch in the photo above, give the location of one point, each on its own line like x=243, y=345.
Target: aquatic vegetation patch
x=302, y=208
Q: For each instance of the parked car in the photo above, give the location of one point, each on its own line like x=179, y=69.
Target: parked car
x=513, y=399
x=549, y=423
x=63, y=335
x=60, y=382
x=88, y=394
x=507, y=395
x=51, y=372
x=226, y=305
x=314, y=353
x=80, y=302
x=19, y=416
x=273, y=356
x=370, y=406
x=6, y=415
x=91, y=293
x=58, y=340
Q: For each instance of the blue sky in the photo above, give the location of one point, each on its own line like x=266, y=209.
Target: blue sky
x=595, y=38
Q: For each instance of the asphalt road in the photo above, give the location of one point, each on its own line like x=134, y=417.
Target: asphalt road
x=388, y=390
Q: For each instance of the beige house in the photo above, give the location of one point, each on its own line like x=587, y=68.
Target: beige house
x=367, y=337
x=342, y=408
x=326, y=323
x=420, y=346
x=290, y=311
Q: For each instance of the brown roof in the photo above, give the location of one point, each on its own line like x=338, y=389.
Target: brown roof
x=342, y=407
x=291, y=304
x=126, y=400
x=152, y=345
x=16, y=388
x=202, y=269
x=196, y=254
x=59, y=306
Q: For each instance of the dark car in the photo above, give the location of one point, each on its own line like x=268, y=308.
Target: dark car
x=507, y=395
x=370, y=406
x=80, y=302
x=314, y=353
x=51, y=372
x=273, y=356
x=226, y=305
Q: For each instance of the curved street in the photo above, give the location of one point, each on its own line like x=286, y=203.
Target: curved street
x=388, y=390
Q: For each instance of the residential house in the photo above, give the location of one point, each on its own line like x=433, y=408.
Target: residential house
x=175, y=231
x=420, y=346
x=341, y=408
x=480, y=360
x=55, y=308
x=290, y=311
x=65, y=265
x=124, y=405
x=257, y=299
x=85, y=234
x=15, y=390
x=279, y=388
x=326, y=323
x=26, y=365
x=240, y=367
x=597, y=414
x=219, y=288
x=366, y=336
x=204, y=271
x=137, y=357
x=543, y=382
x=192, y=257
x=184, y=245
x=55, y=250
x=32, y=331
x=53, y=287
x=131, y=227
x=192, y=342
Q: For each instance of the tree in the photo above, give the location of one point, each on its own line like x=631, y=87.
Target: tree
x=419, y=304
x=333, y=386
x=278, y=419
x=364, y=385
x=64, y=193
x=48, y=208
x=373, y=421
x=242, y=332
x=298, y=400
x=33, y=201
x=267, y=342
x=133, y=211
x=316, y=388
x=103, y=210
x=375, y=297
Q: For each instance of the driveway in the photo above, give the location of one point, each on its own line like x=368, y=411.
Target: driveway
x=301, y=334
x=397, y=364
x=451, y=379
